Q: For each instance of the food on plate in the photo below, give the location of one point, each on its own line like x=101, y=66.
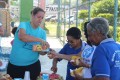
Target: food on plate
x=52, y=76
x=39, y=47
x=79, y=71
x=75, y=59
x=5, y=77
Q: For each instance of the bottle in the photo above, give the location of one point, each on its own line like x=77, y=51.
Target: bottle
x=27, y=75
x=45, y=76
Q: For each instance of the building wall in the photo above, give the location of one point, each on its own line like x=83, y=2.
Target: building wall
x=25, y=9
x=5, y=20
x=42, y=4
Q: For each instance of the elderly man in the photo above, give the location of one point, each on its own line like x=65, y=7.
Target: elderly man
x=106, y=59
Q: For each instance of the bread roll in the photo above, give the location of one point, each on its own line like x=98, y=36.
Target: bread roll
x=79, y=71
x=75, y=59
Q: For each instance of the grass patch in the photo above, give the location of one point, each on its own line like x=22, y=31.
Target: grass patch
x=52, y=28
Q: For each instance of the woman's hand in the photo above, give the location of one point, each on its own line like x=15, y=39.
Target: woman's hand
x=81, y=63
x=42, y=53
x=54, y=69
x=44, y=43
x=52, y=54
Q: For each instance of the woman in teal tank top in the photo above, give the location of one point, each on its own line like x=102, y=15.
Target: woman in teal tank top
x=22, y=57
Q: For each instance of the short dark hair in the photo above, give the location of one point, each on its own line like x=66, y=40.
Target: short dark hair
x=14, y=30
x=85, y=29
x=74, y=32
x=85, y=33
x=36, y=10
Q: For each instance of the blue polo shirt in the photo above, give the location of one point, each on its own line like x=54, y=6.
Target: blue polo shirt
x=106, y=60
x=22, y=53
x=68, y=50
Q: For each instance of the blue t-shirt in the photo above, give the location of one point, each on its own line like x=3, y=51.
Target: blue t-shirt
x=68, y=50
x=22, y=54
x=106, y=60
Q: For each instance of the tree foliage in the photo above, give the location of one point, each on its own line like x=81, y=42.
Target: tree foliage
x=55, y=1
x=83, y=14
x=108, y=16
x=104, y=6
x=62, y=2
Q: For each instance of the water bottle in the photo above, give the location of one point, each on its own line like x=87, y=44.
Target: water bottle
x=27, y=75
x=45, y=76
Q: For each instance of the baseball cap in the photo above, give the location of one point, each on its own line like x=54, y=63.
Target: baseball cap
x=0, y=24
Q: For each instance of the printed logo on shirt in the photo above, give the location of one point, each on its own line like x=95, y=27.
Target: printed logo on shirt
x=87, y=52
x=116, y=58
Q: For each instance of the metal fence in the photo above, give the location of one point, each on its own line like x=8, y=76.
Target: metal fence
x=63, y=24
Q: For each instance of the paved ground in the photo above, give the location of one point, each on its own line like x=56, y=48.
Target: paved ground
x=46, y=63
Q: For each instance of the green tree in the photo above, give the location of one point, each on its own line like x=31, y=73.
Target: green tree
x=55, y=1
x=84, y=1
x=73, y=2
x=108, y=16
x=104, y=6
x=83, y=14
x=63, y=1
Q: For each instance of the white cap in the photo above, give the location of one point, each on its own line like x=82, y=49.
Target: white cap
x=0, y=24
